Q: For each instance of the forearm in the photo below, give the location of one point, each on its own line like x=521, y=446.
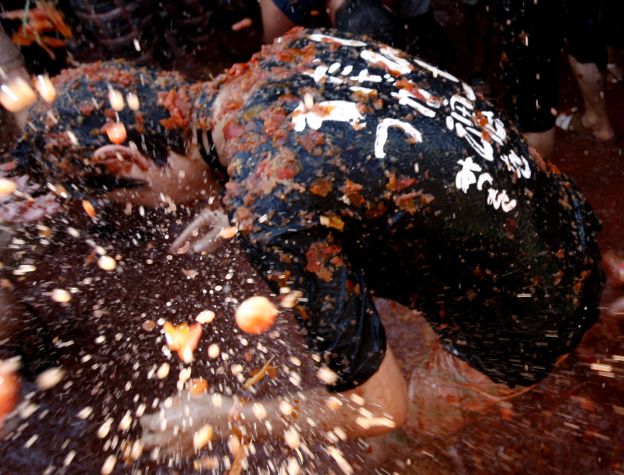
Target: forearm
x=375, y=407
x=313, y=412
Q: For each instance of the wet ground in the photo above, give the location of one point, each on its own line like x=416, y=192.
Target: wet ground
x=116, y=364
x=572, y=422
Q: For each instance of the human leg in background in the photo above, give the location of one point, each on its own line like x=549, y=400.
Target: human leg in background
x=595, y=118
x=587, y=48
x=530, y=44
x=614, y=31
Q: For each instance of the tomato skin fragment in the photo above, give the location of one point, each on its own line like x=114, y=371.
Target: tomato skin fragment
x=183, y=339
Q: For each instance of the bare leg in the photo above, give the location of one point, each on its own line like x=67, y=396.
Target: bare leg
x=543, y=142
x=591, y=83
x=274, y=22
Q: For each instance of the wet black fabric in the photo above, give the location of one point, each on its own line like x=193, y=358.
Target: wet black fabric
x=299, y=11
x=587, y=33
x=367, y=17
x=364, y=17
x=533, y=35
x=386, y=176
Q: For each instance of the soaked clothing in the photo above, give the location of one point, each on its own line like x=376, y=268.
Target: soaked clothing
x=532, y=36
x=301, y=12
x=356, y=171
x=364, y=17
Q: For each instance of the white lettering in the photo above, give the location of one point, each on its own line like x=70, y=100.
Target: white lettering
x=429, y=98
x=466, y=176
x=481, y=146
x=516, y=164
x=389, y=59
x=337, y=111
x=365, y=76
x=462, y=105
x=500, y=200
x=365, y=90
x=333, y=68
x=382, y=134
x=495, y=127
x=469, y=92
x=320, y=73
x=483, y=179
x=436, y=72
x=461, y=118
x=319, y=38
x=407, y=98
x=347, y=70
x=508, y=205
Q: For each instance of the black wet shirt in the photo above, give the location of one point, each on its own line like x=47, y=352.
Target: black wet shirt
x=358, y=171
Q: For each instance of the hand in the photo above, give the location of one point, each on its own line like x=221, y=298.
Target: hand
x=181, y=427
x=199, y=240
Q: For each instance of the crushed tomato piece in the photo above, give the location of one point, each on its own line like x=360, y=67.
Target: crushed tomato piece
x=257, y=376
x=198, y=386
x=89, y=209
x=183, y=339
x=256, y=315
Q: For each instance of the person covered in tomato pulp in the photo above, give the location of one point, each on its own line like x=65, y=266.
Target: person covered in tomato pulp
x=356, y=171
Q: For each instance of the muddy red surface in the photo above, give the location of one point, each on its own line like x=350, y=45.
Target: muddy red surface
x=571, y=422
x=109, y=341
